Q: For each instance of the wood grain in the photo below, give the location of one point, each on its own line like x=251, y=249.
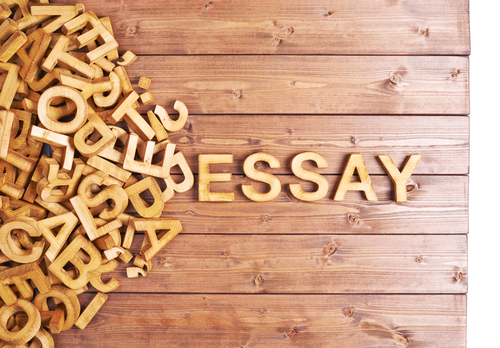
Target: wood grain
x=442, y=140
x=303, y=264
x=437, y=27
x=436, y=205
x=361, y=321
x=308, y=84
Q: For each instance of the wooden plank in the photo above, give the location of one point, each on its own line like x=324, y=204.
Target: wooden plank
x=423, y=27
x=164, y=320
x=442, y=140
x=308, y=84
x=304, y=264
x=436, y=205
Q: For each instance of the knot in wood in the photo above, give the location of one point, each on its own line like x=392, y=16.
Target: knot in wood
x=207, y=5
x=331, y=249
x=190, y=212
x=328, y=13
x=289, y=30
x=187, y=316
x=237, y=94
x=459, y=276
x=419, y=259
x=291, y=83
x=410, y=188
x=395, y=79
x=262, y=312
x=348, y=312
x=266, y=218
x=291, y=334
x=423, y=31
x=131, y=30
x=455, y=73
x=290, y=131
x=259, y=279
x=353, y=218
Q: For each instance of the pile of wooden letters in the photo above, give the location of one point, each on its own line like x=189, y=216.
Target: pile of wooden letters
x=74, y=154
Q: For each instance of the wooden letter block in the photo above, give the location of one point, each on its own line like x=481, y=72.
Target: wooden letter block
x=62, y=127
x=303, y=174
x=64, y=295
x=95, y=124
x=12, y=45
x=28, y=331
x=58, y=140
x=128, y=58
x=187, y=184
x=153, y=242
x=161, y=133
x=161, y=170
x=146, y=98
x=96, y=281
x=133, y=272
x=19, y=277
x=6, y=125
x=64, y=14
x=125, y=110
x=87, y=87
x=109, y=168
x=59, y=55
x=133, y=191
x=84, y=269
x=88, y=222
x=10, y=84
x=168, y=123
x=399, y=178
x=114, y=192
x=49, y=187
x=91, y=310
x=96, y=31
x=205, y=177
x=355, y=162
x=68, y=222
x=252, y=173
x=112, y=152
x=116, y=90
x=144, y=82
x=11, y=249
x=39, y=41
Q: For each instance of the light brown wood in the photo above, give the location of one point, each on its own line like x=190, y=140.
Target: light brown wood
x=64, y=295
x=44, y=338
x=188, y=182
x=125, y=110
x=400, y=179
x=91, y=310
x=19, y=276
x=133, y=272
x=161, y=133
x=49, y=187
x=96, y=281
x=128, y=58
x=62, y=127
x=146, y=184
x=88, y=222
x=23, y=16
x=109, y=168
x=57, y=319
x=58, y=55
x=278, y=321
x=355, y=163
x=159, y=170
x=254, y=174
x=84, y=269
x=55, y=139
x=68, y=221
x=6, y=131
x=125, y=83
x=63, y=13
x=303, y=174
x=28, y=331
x=168, y=123
x=309, y=84
x=10, y=84
x=111, y=99
x=39, y=41
x=94, y=124
x=153, y=243
x=12, y=45
x=9, y=247
x=113, y=253
x=290, y=27
x=114, y=192
x=87, y=87
x=205, y=178
x=144, y=82
x=146, y=98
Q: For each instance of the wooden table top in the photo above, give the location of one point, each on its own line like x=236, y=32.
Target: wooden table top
x=285, y=77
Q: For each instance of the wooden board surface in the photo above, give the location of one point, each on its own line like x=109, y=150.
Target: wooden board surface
x=289, y=26
x=167, y=320
x=284, y=77
x=442, y=140
x=308, y=84
x=304, y=264
x=436, y=205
